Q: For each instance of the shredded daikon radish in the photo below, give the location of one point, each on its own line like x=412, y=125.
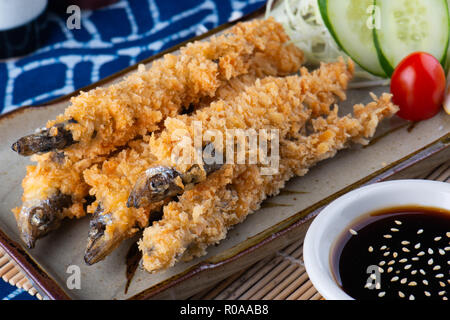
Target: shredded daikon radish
x=303, y=23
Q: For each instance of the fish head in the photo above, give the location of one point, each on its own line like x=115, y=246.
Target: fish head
x=39, y=217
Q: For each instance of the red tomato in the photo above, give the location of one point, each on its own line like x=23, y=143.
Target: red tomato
x=418, y=86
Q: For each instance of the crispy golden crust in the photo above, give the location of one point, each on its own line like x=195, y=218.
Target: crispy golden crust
x=110, y=117
x=49, y=177
x=203, y=215
x=112, y=183
x=273, y=103
x=135, y=106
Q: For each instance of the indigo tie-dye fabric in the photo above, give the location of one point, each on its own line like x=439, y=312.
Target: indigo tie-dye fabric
x=109, y=40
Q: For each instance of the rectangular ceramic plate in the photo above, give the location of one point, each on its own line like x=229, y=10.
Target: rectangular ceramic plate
x=398, y=150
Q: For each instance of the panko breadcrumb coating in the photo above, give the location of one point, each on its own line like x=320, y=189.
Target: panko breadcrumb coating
x=111, y=183
x=104, y=119
x=203, y=215
x=282, y=108
x=282, y=103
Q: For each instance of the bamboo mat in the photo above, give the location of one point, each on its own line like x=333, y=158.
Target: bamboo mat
x=11, y=273
x=281, y=276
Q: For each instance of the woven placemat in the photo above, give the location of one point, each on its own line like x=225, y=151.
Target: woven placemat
x=11, y=273
x=281, y=276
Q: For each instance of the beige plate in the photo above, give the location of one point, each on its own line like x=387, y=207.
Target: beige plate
x=282, y=220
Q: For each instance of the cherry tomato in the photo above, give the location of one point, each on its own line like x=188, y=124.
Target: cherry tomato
x=418, y=86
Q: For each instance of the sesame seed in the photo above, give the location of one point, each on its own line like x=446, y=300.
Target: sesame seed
x=430, y=251
x=405, y=249
x=389, y=270
x=386, y=253
x=419, y=231
x=382, y=263
x=417, y=246
x=414, y=272
x=439, y=275
x=441, y=293
x=447, y=248
x=382, y=294
x=448, y=234
x=395, y=254
x=392, y=262
x=421, y=253
x=370, y=249
x=403, y=281
x=387, y=236
x=441, y=252
x=430, y=262
x=405, y=243
x=444, y=298
x=378, y=286
x=415, y=259
x=373, y=276
x=394, y=279
x=442, y=284
x=412, y=284
x=398, y=222
x=422, y=272
x=394, y=230
x=403, y=260
x=427, y=293
x=401, y=294
x=353, y=232
x=383, y=248
x=408, y=266
x=411, y=297
x=381, y=270
x=425, y=282
x=437, y=238
x=436, y=268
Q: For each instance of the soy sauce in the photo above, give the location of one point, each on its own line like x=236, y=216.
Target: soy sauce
x=397, y=253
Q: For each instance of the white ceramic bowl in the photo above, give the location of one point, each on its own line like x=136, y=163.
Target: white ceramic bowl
x=341, y=213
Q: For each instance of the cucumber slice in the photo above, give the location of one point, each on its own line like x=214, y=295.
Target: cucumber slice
x=347, y=21
x=409, y=26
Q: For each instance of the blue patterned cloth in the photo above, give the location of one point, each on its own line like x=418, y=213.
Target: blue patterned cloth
x=9, y=292
x=110, y=39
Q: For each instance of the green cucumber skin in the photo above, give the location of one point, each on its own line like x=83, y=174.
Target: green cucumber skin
x=383, y=61
x=323, y=8
x=446, y=63
x=444, y=59
x=386, y=65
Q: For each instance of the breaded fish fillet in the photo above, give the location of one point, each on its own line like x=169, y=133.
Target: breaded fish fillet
x=112, y=182
x=203, y=215
x=103, y=120
x=274, y=103
x=114, y=220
